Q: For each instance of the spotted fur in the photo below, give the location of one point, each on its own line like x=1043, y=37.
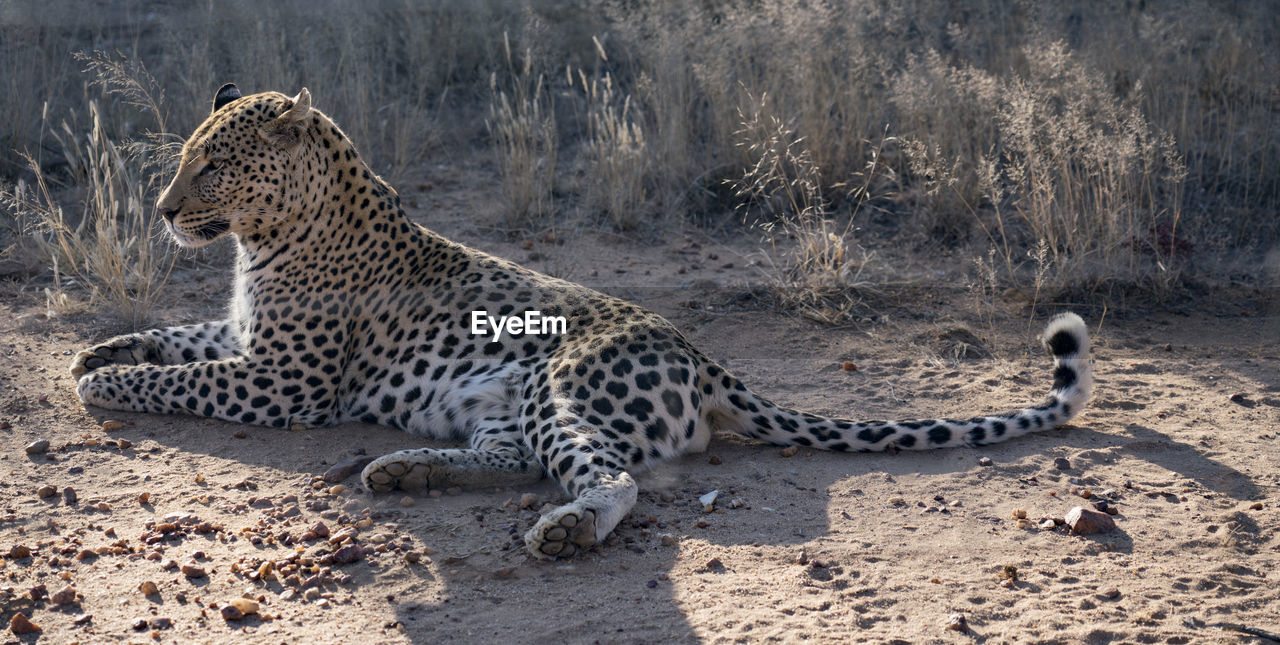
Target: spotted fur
x=345, y=310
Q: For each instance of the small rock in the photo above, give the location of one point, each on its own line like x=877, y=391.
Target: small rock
x=338, y=490
x=1061, y=463
x=435, y=493
x=1019, y=514
x=1048, y=523
x=69, y=495
x=709, y=501
x=1110, y=593
x=736, y=503
x=149, y=588
x=37, y=447
x=985, y=461
x=413, y=557
x=802, y=557
x=193, y=570
x=957, y=623
x=320, y=529
x=348, y=554
x=19, y=551
x=231, y=612
x=667, y=539
x=848, y=366
x=289, y=594
x=407, y=501
x=112, y=425
x=1086, y=521
x=528, y=500
x=1256, y=506
x=311, y=594
x=161, y=622
x=1085, y=493
x=247, y=607
x=65, y=596
x=46, y=491
x=714, y=460
x=789, y=451
x=144, y=499
x=21, y=625
x=239, y=434
x=140, y=623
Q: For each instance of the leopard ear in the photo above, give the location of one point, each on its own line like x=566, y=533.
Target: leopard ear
x=286, y=130
x=226, y=94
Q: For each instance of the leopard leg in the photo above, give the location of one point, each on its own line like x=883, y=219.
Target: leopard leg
x=234, y=390
x=209, y=341
x=496, y=457
x=590, y=470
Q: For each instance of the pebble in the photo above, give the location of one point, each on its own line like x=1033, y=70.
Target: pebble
x=1086, y=521
x=144, y=499
x=21, y=625
x=139, y=623
x=37, y=447
x=193, y=570
x=1019, y=514
x=957, y=623
x=320, y=529
x=528, y=500
x=1061, y=463
x=413, y=557
x=19, y=551
x=231, y=612
x=985, y=461
x=149, y=588
x=46, y=491
x=667, y=539
x=789, y=451
x=348, y=554
x=1110, y=593
x=246, y=606
x=311, y=594
x=848, y=366
x=338, y=490
x=69, y=495
x=1256, y=506
x=112, y=425
x=162, y=622
x=406, y=501
x=708, y=501
x=65, y=596
x=1048, y=523
x=714, y=460
x=435, y=493
x=289, y=594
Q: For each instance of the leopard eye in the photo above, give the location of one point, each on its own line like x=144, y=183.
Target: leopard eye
x=211, y=166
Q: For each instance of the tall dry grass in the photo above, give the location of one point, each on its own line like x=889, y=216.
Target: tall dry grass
x=1130, y=142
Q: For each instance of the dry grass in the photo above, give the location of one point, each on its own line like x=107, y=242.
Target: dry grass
x=1133, y=142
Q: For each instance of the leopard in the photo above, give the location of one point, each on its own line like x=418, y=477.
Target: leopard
x=343, y=309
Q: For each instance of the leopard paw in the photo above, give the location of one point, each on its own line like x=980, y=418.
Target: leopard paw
x=397, y=470
x=121, y=350
x=562, y=533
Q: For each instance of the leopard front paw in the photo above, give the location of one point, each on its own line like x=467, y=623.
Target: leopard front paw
x=94, y=389
x=121, y=350
x=401, y=469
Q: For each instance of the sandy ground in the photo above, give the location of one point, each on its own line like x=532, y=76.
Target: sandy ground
x=1182, y=437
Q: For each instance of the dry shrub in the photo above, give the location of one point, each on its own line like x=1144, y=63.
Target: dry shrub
x=523, y=127
x=616, y=151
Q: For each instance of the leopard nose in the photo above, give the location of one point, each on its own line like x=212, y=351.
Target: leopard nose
x=167, y=213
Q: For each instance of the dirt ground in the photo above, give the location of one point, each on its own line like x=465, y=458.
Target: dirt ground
x=1181, y=437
